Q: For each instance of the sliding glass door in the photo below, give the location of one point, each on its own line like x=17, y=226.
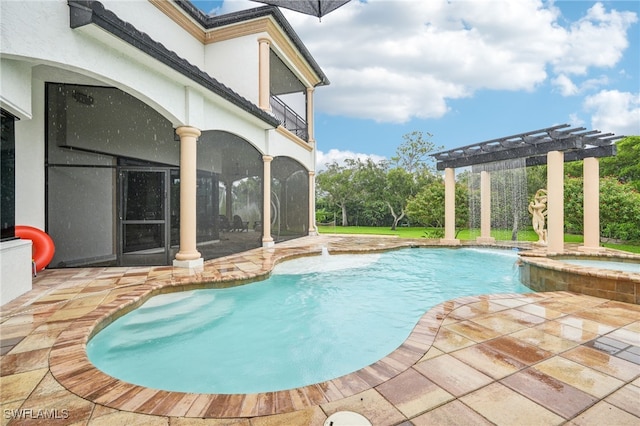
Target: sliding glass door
x=144, y=221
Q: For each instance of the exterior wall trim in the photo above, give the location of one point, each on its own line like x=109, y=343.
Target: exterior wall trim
x=287, y=134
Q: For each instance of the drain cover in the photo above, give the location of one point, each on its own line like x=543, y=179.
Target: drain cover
x=347, y=418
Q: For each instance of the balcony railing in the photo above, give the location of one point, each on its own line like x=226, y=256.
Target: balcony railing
x=289, y=118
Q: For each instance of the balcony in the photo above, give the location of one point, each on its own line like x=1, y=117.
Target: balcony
x=289, y=118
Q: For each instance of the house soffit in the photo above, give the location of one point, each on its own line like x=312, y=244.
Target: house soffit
x=263, y=20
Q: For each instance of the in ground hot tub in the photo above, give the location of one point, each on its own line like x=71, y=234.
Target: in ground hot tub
x=614, y=276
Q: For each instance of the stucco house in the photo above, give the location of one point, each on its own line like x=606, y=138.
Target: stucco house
x=149, y=133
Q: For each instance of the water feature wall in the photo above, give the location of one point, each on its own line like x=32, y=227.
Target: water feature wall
x=508, y=197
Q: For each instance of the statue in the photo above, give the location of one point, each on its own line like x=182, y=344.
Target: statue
x=538, y=209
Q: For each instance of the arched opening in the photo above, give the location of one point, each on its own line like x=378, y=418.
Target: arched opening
x=236, y=170
x=289, y=199
x=113, y=182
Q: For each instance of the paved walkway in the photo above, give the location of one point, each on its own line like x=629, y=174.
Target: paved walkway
x=540, y=358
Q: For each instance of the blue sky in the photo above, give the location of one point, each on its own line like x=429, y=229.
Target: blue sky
x=467, y=71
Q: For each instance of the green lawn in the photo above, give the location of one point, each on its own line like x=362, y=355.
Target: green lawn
x=465, y=234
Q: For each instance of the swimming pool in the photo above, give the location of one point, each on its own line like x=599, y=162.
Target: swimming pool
x=313, y=320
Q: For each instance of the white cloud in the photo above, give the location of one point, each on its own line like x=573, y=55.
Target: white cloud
x=596, y=40
x=575, y=120
x=394, y=60
x=615, y=111
x=335, y=155
x=568, y=88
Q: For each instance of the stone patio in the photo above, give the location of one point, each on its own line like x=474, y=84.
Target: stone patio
x=539, y=358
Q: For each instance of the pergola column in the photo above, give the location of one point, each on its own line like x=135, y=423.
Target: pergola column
x=591, y=206
x=555, y=202
x=449, y=207
x=312, y=204
x=267, y=240
x=485, y=209
x=188, y=256
x=263, y=74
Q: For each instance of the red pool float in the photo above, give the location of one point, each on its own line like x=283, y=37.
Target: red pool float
x=43, y=247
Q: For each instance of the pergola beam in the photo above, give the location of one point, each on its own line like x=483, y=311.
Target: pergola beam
x=512, y=153
x=529, y=145
x=598, y=152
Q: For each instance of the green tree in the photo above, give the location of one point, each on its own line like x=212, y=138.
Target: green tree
x=619, y=209
x=413, y=154
x=368, y=180
x=413, y=168
x=427, y=207
x=335, y=185
x=625, y=165
x=573, y=205
x=400, y=187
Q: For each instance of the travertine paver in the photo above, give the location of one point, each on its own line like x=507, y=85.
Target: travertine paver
x=543, y=358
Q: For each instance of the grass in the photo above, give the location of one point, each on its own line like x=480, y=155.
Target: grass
x=464, y=234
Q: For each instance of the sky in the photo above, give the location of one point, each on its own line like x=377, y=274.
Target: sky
x=467, y=71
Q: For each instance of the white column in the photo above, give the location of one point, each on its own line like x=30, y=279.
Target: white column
x=449, y=207
x=310, y=124
x=591, y=206
x=485, y=209
x=555, y=202
x=264, y=92
x=188, y=256
x=312, y=204
x=267, y=241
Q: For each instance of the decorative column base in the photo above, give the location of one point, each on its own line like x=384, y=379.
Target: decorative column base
x=485, y=240
x=268, y=243
x=450, y=242
x=587, y=249
x=190, y=264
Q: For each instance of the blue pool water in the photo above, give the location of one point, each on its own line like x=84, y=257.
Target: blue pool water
x=606, y=264
x=314, y=319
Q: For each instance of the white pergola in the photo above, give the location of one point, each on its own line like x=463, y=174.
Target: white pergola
x=552, y=146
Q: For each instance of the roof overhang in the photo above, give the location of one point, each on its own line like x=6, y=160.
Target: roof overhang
x=87, y=12
x=212, y=23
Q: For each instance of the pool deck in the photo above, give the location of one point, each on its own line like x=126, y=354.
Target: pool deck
x=539, y=358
